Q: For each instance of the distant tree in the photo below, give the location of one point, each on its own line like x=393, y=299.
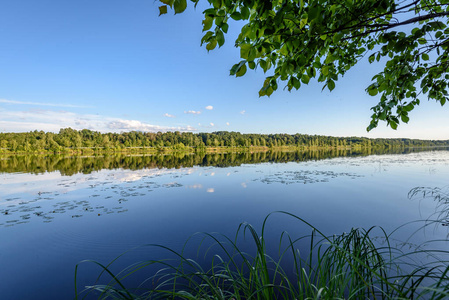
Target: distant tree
x=296, y=40
x=106, y=142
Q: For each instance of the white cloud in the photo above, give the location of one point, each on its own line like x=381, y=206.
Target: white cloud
x=243, y=112
x=49, y=120
x=227, y=123
x=210, y=190
x=244, y=185
x=193, y=112
x=209, y=107
x=134, y=125
x=210, y=125
x=42, y=104
x=169, y=116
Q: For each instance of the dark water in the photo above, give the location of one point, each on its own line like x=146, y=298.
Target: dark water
x=58, y=211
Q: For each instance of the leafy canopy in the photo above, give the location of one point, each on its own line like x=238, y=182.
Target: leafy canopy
x=296, y=40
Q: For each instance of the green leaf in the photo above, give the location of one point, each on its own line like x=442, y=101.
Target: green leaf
x=330, y=58
x=372, y=91
x=236, y=16
x=437, y=25
x=244, y=50
x=305, y=79
x=252, y=54
x=425, y=56
x=372, y=125
x=219, y=21
x=241, y=71
x=220, y=38
x=207, y=36
x=180, y=6
x=284, y=50
x=209, y=12
x=225, y=27
x=263, y=65
x=266, y=85
x=290, y=68
x=221, y=12
x=313, y=12
x=330, y=85
x=211, y=45
x=296, y=83
x=325, y=70
x=207, y=23
x=252, y=65
x=393, y=125
x=162, y=10
x=337, y=37
x=235, y=68
x=217, y=3
x=371, y=58
x=245, y=31
x=422, y=41
x=408, y=107
x=311, y=71
x=404, y=118
x=244, y=11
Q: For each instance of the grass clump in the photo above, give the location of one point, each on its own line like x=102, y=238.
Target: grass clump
x=360, y=264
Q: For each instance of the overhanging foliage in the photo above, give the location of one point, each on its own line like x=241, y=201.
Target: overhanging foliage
x=294, y=41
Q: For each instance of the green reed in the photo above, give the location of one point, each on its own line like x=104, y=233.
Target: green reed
x=360, y=264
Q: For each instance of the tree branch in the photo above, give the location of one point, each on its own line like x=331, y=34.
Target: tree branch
x=382, y=27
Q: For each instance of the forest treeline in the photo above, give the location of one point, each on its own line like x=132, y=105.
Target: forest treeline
x=87, y=140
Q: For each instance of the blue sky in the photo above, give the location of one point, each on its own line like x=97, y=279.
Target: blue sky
x=115, y=66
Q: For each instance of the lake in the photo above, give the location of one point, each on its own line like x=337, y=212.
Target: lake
x=57, y=211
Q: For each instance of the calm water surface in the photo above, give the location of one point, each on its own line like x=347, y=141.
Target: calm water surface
x=56, y=212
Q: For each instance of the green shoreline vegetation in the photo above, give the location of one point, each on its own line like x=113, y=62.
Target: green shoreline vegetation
x=70, y=141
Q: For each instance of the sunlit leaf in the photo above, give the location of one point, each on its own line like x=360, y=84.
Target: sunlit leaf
x=211, y=45
x=244, y=50
x=207, y=23
x=241, y=71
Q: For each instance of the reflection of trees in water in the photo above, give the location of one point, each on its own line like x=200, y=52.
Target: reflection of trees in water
x=69, y=165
